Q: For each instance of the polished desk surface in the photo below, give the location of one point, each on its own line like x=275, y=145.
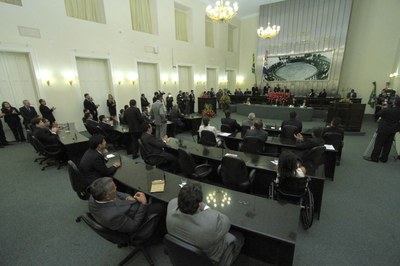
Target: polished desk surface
x=276, y=130
x=266, y=217
x=69, y=135
x=125, y=129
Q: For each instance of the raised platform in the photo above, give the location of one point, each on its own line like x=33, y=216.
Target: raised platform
x=275, y=112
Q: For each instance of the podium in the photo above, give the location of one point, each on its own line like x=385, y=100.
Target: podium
x=352, y=115
x=203, y=101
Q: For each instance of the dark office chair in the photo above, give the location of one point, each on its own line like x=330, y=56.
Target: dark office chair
x=182, y=253
x=151, y=159
x=140, y=239
x=190, y=169
x=252, y=145
x=288, y=131
x=336, y=140
x=244, y=130
x=226, y=128
x=77, y=181
x=207, y=138
x=52, y=153
x=112, y=137
x=234, y=174
x=313, y=159
x=29, y=136
x=91, y=129
x=295, y=190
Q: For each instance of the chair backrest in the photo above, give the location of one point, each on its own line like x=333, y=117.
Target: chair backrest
x=334, y=139
x=314, y=156
x=145, y=231
x=182, y=253
x=143, y=152
x=233, y=170
x=207, y=138
x=75, y=177
x=226, y=128
x=288, y=131
x=47, y=151
x=29, y=136
x=186, y=162
x=93, y=129
x=252, y=145
x=293, y=186
x=244, y=130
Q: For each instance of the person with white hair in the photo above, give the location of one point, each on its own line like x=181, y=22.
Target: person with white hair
x=250, y=120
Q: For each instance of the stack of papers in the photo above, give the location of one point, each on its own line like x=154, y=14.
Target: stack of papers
x=224, y=134
x=329, y=147
x=157, y=186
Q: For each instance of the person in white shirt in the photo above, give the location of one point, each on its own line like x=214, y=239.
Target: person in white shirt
x=206, y=126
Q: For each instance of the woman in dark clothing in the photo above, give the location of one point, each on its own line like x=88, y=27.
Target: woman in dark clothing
x=11, y=117
x=46, y=111
x=112, y=106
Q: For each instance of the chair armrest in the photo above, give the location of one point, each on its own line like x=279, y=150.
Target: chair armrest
x=252, y=175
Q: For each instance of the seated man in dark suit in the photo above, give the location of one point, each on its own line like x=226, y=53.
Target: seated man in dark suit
x=119, y=211
x=47, y=136
x=257, y=131
x=351, y=94
x=334, y=127
x=93, y=163
x=231, y=122
x=90, y=123
x=105, y=124
x=156, y=146
x=309, y=143
x=191, y=220
x=293, y=121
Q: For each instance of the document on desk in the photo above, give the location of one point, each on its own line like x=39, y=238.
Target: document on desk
x=224, y=134
x=109, y=156
x=157, y=186
x=329, y=147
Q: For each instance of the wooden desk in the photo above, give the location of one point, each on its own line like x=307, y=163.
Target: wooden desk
x=275, y=112
x=266, y=170
x=269, y=226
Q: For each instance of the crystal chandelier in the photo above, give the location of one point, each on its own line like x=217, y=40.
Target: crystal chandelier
x=268, y=32
x=222, y=11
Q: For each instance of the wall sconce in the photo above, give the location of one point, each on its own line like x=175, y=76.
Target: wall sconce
x=239, y=80
x=48, y=82
x=133, y=82
x=393, y=75
x=119, y=82
x=69, y=77
x=70, y=82
x=175, y=78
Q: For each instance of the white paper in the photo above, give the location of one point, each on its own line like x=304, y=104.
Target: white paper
x=224, y=134
x=109, y=156
x=275, y=162
x=329, y=147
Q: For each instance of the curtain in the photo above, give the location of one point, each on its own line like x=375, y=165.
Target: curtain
x=230, y=39
x=209, y=33
x=92, y=10
x=181, y=29
x=141, y=16
x=12, y=2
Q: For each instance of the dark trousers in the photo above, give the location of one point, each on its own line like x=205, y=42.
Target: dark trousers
x=17, y=131
x=2, y=135
x=383, y=144
x=135, y=143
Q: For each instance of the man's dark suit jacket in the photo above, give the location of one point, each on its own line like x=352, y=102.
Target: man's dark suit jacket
x=106, y=127
x=258, y=133
x=232, y=123
x=293, y=122
x=334, y=130
x=152, y=144
x=47, y=113
x=93, y=166
x=91, y=106
x=310, y=143
x=134, y=119
x=120, y=214
x=45, y=136
x=351, y=95
x=390, y=120
x=28, y=115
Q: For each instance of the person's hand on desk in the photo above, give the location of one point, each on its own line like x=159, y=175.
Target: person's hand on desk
x=55, y=129
x=140, y=197
x=117, y=164
x=166, y=139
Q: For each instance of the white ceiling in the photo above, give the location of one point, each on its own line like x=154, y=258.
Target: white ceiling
x=246, y=7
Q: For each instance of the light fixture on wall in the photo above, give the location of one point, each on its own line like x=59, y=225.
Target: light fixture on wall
x=269, y=32
x=48, y=82
x=394, y=75
x=70, y=82
x=119, y=82
x=223, y=11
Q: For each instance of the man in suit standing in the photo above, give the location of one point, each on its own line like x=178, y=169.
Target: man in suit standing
x=389, y=124
x=191, y=220
x=27, y=112
x=293, y=121
x=233, y=124
x=351, y=94
x=120, y=211
x=135, y=120
x=143, y=101
x=93, y=163
x=160, y=119
x=90, y=105
x=46, y=111
x=154, y=145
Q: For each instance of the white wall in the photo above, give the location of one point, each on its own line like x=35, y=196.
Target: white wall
x=63, y=38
